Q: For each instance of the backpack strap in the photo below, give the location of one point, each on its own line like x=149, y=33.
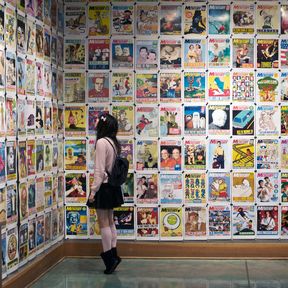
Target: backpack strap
x=111, y=145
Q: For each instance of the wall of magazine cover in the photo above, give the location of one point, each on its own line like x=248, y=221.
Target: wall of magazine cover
x=200, y=91
x=31, y=129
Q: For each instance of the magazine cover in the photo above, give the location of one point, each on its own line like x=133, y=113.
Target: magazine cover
x=21, y=33
x=170, y=189
x=2, y=116
x=124, y=222
x=122, y=53
x=122, y=20
x=74, y=53
x=31, y=187
x=39, y=9
x=170, y=87
x=4, y=255
x=219, y=19
x=39, y=41
x=60, y=51
x=99, y=53
x=243, y=189
x=171, y=223
x=146, y=54
x=146, y=155
x=195, y=154
x=219, y=86
x=74, y=87
x=219, y=53
x=128, y=189
x=30, y=116
x=21, y=104
x=284, y=154
x=47, y=12
x=284, y=19
x=2, y=23
x=3, y=206
x=30, y=77
x=91, y=154
x=61, y=188
x=2, y=67
x=219, y=119
x=171, y=158
x=284, y=118
x=146, y=20
x=243, y=52
x=75, y=188
x=98, y=87
x=47, y=117
x=243, y=18
x=75, y=19
x=54, y=117
x=267, y=53
x=98, y=20
x=61, y=222
x=30, y=38
x=170, y=19
x=54, y=49
x=219, y=222
x=23, y=244
x=60, y=154
x=10, y=77
x=170, y=54
x=60, y=87
x=21, y=75
x=54, y=6
x=47, y=45
x=219, y=187
x=39, y=119
x=194, y=53
x=146, y=121
x=243, y=153
x=267, y=19
x=219, y=154
x=147, y=223
x=195, y=18
x=268, y=185
x=10, y=27
x=48, y=228
x=22, y=159
x=40, y=232
x=39, y=79
x=60, y=14
x=75, y=121
x=23, y=201
x=195, y=223
x=170, y=121
x=40, y=190
x=243, y=222
x=11, y=115
x=146, y=88
x=54, y=189
x=93, y=224
x=12, y=249
x=93, y=112
x=125, y=118
x=267, y=221
x=243, y=120
x=48, y=154
x=194, y=86
x=195, y=120
x=267, y=154
x=12, y=204
x=75, y=154
x=32, y=238
x=195, y=188
x=11, y=160
x=267, y=86
x=122, y=86
x=284, y=86
x=127, y=151
x=147, y=189
x=267, y=123
x=76, y=222
x=284, y=51
x=284, y=222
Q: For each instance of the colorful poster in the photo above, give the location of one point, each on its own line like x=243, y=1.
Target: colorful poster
x=125, y=118
x=12, y=204
x=219, y=19
x=243, y=86
x=93, y=113
x=99, y=53
x=75, y=121
x=30, y=38
x=219, y=53
x=267, y=53
x=147, y=189
x=243, y=18
x=122, y=86
x=195, y=154
x=267, y=86
x=128, y=189
x=31, y=187
x=219, y=155
x=243, y=120
x=243, y=153
x=284, y=154
x=21, y=26
x=284, y=221
x=219, y=187
x=74, y=51
x=74, y=87
x=147, y=223
x=75, y=188
x=39, y=42
x=146, y=88
x=146, y=121
x=23, y=201
x=267, y=19
x=124, y=222
x=170, y=54
x=219, y=119
x=146, y=54
x=267, y=154
x=194, y=86
x=122, y=20
x=171, y=158
x=267, y=221
x=122, y=53
x=195, y=18
x=284, y=86
x=284, y=52
x=170, y=186
x=10, y=27
x=146, y=20
x=75, y=154
x=243, y=188
x=195, y=120
x=12, y=249
x=98, y=20
x=195, y=223
x=75, y=19
x=171, y=223
x=243, y=52
x=10, y=78
x=284, y=118
x=268, y=187
x=219, y=86
x=3, y=206
x=11, y=160
x=170, y=87
x=98, y=87
x=146, y=155
x=194, y=53
x=170, y=19
x=284, y=19
x=76, y=221
x=195, y=188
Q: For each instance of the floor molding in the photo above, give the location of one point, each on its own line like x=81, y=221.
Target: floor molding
x=265, y=249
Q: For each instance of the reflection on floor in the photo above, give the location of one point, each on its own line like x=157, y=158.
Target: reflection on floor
x=172, y=273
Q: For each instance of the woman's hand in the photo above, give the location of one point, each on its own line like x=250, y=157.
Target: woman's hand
x=91, y=197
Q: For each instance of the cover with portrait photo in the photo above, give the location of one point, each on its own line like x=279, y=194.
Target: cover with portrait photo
x=147, y=223
x=2, y=23
x=195, y=223
x=75, y=154
x=170, y=155
x=267, y=187
x=146, y=188
x=267, y=221
x=122, y=53
x=22, y=159
x=284, y=19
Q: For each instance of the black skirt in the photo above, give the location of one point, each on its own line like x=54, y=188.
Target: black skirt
x=108, y=197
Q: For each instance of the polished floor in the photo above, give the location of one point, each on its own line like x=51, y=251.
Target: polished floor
x=172, y=273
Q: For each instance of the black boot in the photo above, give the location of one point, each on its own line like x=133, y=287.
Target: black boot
x=109, y=261
x=115, y=255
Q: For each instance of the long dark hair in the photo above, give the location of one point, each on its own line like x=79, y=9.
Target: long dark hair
x=108, y=127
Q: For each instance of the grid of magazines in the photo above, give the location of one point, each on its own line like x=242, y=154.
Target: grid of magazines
x=200, y=93
x=31, y=129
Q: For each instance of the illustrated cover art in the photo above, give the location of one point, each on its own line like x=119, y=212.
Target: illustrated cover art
x=47, y=12
x=39, y=9
x=267, y=86
x=146, y=20
x=219, y=86
x=122, y=53
x=11, y=116
x=243, y=18
x=48, y=154
x=94, y=229
x=93, y=113
x=2, y=162
x=122, y=20
x=40, y=230
x=10, y=27
x=23, y=198
x=170, y=54
x=170, y=121
x=2, y=67
x=21, y=75
x=2, y=23
x=267, y=123
x=195, y=154
x=122, y=86
x=219, y=53
x=125, y=118
x=171, y=223
x=284, y=118
x=147, y=222
x=47, y=117
x=75, y=154
x=243, y=153
x=267, y=154
x=124, y=222
x=30, y=116
x=219, y=154
x=127, y=151
x=284, y=52
x=243, y=188
x=146, y=155
x=243, y=52
x=194, y=86
x=194, y=53
x=194, y=120
x=146, y=88
x=195, y=222
x=30, y=77
x=75, y=121
x=146, y=52
x=283, y=153
x=47, y=45
x=53, y=49
x=267, y=19
x=268, y=187
x=22, y=159
x=195, y=18
x=267, y=53
x=98, y=87
x=39, y=41
x=31, y=187
x=195, y=188
x=21, y=34
x=243, y=120
x=75, y=20
x=23, y=243
x=2, y=117
x=74, y=51
x=21, y=104
x=171, y=157
x=284, y=221
x=75, y=188
x=48, y=227
x=11, y=160
x=74, y=87
x=99, y=54
x=170, y=19
x=219, y=187
x=76, y=221
x=219, y=222
x=170, y=87
x=10, y=77
x=12, y=202
x=3, y=204
x=284, y=19
x=219, y=19
x=170, y=188
x=32, y=237
x=219, y=119
x=39, y=79
x=284, y=86
x=98, y=20
x=267, y=221
x=12, y=249
x=147, y=189
x=146, y=121
x=128, y=189
x=30, y=38
x=243, y=86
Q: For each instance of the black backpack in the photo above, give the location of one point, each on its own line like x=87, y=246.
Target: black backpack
x=119, y=172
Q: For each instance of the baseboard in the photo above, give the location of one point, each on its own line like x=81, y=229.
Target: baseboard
x=137, y=249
